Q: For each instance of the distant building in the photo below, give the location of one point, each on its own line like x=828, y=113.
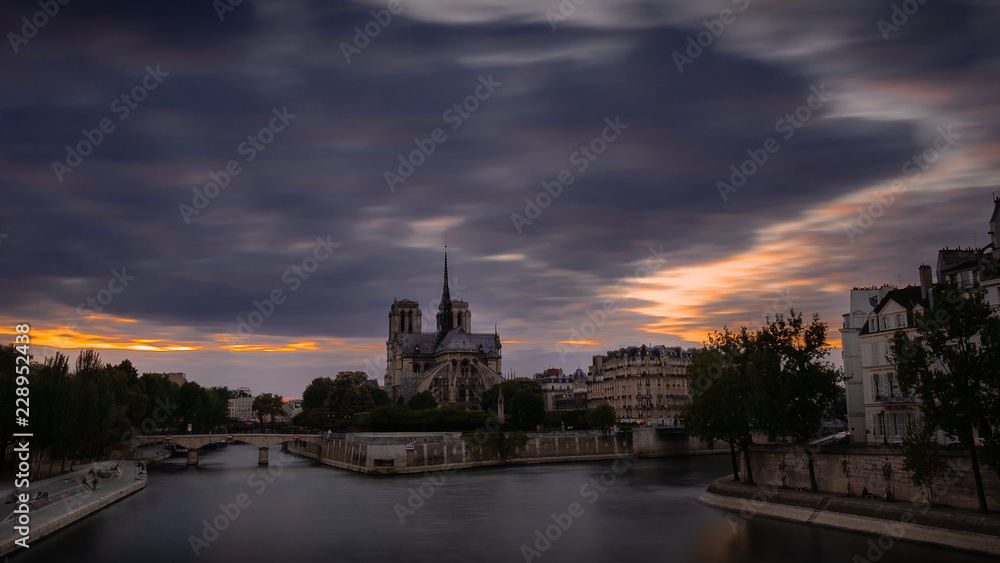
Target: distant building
x=292, y=407
x=563, y=392
x=863, y=301
x=455, y=364
x=989, y=256
x=888, y=411
x=241, y=404
x=647, y=383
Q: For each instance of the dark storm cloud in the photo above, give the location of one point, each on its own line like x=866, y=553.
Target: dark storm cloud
x=323, y=173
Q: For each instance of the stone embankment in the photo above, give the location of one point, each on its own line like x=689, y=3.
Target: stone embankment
x=399, y=452
x=887, y=522
x=71, y=497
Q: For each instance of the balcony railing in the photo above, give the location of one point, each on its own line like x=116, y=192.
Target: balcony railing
x=895, y=399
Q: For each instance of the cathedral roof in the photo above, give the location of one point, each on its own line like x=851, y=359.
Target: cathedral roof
x=455, y=340
x=458, y=339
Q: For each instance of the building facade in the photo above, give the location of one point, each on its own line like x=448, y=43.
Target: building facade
x=642, y=383
x=241, y=404
x=455, y=364
x=563, y=392
x=292, y=408
x=888, y=411
x=863, y=301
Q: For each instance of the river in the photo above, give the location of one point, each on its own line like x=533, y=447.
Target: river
x=298, y=510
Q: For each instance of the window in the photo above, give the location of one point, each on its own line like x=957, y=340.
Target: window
x=901, y=320
x=876, y=386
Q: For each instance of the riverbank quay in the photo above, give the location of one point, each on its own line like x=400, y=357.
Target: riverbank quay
x=416, y=452
x=69, y=501
x=887, y=522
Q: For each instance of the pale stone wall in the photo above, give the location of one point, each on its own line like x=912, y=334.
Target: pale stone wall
x=849, y=470
x=387, y=453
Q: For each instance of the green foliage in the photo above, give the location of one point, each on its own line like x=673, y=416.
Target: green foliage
x=922, y=456
x=776, y=378
x=602, y=416
x=203, y=408
x=838, y=410
x=380, y=397
x=316, y=418
x=393, y=418
x=524, y=402
x=422, y=401
x=719, y=377
x=328, y=403
x=8, y=375
x=793, y=384
x=268, y=404
x=952, y=364
x=350, y=394
x=87, y=410
x=316, y=393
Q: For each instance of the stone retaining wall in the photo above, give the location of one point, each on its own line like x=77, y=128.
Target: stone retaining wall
x=394, y=452
x=887, y=522
x=849, y=470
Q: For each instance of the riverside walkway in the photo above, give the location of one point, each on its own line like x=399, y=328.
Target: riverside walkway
x=69, y=500
x=887, y=522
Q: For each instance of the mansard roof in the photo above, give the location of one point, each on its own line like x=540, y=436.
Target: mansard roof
x=657, y=351
x=908, y=297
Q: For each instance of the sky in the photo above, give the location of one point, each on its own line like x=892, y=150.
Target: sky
x=239, y=190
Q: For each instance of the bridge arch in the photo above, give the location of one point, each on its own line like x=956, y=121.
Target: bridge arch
x=193, y=442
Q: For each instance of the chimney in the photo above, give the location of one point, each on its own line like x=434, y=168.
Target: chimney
x=926, y=281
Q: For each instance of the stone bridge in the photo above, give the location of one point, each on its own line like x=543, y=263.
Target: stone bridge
x=195, y=441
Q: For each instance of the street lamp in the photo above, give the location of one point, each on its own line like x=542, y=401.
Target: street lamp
x=885, y=439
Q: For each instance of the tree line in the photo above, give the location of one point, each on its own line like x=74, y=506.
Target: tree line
x=84, y=411
x=349, y=401
x=775, y=379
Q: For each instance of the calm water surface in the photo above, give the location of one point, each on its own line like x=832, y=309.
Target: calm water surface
x=298, y=510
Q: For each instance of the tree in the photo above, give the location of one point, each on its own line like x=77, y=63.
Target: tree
x=268, y=404
x=422, y=401
x=793, y=384
x=602, y=416
x=524, y=401
x=100, y=401
x=952, y=363
x=921, y=456
x=720, y=386
x=380, y=397
x=53, y=387
x=316, y=393
x=8, y=378
x=349, y=394
x=192, y=397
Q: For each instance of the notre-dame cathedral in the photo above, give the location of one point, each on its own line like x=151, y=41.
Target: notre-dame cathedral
x=453, y=363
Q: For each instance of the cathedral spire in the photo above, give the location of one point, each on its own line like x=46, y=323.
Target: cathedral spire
x=445, y=316
x=445, y=291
